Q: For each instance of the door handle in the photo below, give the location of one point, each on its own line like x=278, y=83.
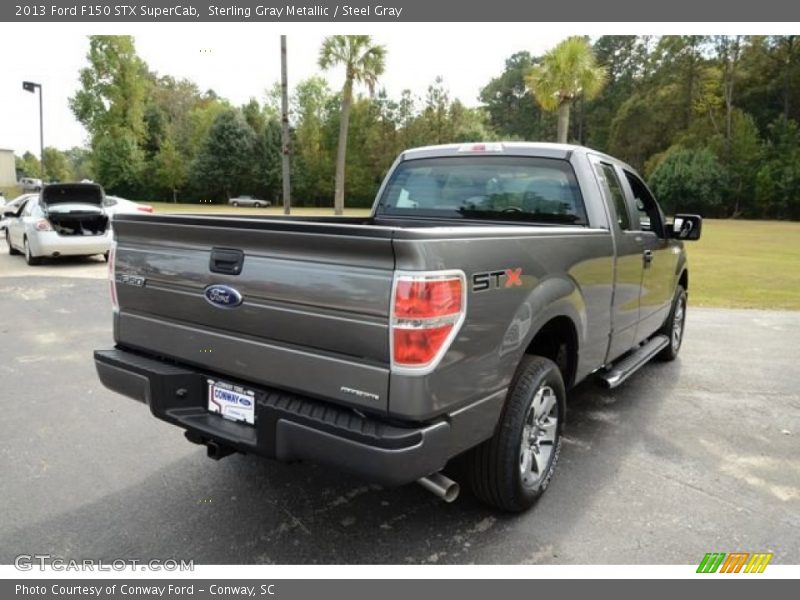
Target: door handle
x=648, y=256
x=225, y=260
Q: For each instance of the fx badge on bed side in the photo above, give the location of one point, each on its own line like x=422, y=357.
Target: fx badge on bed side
x=134, y=280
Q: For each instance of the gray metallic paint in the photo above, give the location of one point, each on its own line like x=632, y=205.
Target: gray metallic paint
x=317, y=294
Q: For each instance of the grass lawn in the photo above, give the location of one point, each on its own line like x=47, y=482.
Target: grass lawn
x=737, y=264
x=746, y=264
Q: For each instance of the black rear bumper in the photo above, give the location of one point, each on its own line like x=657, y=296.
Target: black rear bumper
x=287, y=426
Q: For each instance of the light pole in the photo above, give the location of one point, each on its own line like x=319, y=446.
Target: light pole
x=285, y=139
x=30, y=86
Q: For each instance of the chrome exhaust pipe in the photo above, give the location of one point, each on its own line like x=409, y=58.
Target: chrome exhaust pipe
x=440, y=485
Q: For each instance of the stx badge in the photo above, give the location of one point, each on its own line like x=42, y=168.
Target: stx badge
x=507, y=278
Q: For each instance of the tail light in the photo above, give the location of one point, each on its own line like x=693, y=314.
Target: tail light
x=43, y=225
x=112, y=282
x=427, y=311
x=145, y=208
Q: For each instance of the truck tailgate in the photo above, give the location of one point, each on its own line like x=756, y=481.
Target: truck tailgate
x=315, y=301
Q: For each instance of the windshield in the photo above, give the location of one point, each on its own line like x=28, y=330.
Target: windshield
x=503, y=188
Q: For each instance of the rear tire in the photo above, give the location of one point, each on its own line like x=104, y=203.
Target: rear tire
x=674, y=326
x=235, y=203
x=11, y=250
x=257, y=204
x=512, y=469
x=29, y=258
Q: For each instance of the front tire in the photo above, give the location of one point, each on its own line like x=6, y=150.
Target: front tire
x=235, y=203
x=512, y=469
x=674, y=326
x=29, y=258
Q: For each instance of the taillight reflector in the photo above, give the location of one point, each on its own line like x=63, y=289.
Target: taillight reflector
x=112, y=283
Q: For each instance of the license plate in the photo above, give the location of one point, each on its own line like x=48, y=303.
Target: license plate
x=232, y=401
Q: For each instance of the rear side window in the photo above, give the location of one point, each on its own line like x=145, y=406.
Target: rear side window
x=614, y=190
x=503, y=188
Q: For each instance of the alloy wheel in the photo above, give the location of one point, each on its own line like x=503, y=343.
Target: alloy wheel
x=538, y=436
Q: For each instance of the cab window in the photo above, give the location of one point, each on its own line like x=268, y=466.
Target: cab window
x=609, y=179
x=645, y=205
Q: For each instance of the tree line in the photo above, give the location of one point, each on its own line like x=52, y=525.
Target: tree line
x=710, y=121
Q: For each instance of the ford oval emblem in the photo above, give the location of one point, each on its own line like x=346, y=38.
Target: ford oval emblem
x=223, y=296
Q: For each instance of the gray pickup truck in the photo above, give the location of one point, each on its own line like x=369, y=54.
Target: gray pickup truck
x=488, y=280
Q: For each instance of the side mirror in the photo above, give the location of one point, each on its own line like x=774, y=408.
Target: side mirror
x=687, y=227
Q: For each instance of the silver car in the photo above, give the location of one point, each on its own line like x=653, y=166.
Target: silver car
x=249, y=201
x=64, y=220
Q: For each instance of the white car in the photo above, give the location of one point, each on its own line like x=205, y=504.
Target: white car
x=66, y=219
x=115, y=204
x=11, y=207
x=30, y=184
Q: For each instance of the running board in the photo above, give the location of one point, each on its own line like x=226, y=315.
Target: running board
x=620, y=371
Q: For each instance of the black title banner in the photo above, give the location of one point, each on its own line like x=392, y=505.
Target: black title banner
x=343, y=589
x=399, y=11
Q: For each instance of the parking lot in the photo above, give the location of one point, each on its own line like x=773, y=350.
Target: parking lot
x=695, y=456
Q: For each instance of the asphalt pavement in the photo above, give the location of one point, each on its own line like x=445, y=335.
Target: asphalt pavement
x=700, y=455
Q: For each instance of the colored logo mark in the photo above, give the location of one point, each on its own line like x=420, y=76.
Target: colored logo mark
x=735, y=562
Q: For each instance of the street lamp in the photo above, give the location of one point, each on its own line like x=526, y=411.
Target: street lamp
x=30, y=86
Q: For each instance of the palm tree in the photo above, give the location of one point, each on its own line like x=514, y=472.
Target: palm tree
x=363, y=62
x=567, y=71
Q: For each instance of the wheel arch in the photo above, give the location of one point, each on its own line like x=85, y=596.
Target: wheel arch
x=557, y=339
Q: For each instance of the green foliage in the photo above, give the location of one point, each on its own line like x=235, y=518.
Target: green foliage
x=28, y=165
x=172, y=170
x=266, y=166
x=113, y=88
x=567, y=72
x=57, y=167
x=778, y=179
x=223, y=165
x=512, y=109
x=711, y=121
x=119, y=163
x=363, y=62
x=688, y=180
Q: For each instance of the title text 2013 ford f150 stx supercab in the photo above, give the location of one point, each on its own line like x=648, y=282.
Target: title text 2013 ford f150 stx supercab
x=488, y=280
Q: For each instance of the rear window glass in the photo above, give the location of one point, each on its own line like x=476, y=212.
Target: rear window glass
x=503, y=188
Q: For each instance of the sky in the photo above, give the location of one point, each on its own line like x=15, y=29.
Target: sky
x=242, y=60
x=239, y=61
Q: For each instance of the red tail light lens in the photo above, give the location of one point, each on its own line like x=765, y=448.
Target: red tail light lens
x=426, y=299
x=427, y=311
x=145, y=208
x=419, y=346
x=43, y=225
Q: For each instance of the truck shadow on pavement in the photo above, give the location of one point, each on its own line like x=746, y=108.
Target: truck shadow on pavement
x=248, y=510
